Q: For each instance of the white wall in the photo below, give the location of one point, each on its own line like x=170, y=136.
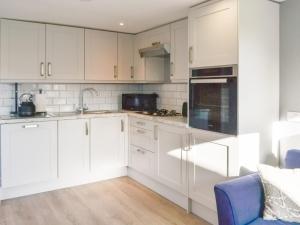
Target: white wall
x=290, y=57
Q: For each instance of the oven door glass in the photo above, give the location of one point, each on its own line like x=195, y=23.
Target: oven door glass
x=213, y=105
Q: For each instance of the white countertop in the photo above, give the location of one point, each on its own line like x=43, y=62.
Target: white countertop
x=174, y=120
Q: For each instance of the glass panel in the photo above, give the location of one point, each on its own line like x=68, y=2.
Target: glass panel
x=213, y=106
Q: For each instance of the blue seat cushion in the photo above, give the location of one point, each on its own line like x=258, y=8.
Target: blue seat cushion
x=261, y=221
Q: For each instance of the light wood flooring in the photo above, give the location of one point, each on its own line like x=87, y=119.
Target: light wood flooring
x=120, y=201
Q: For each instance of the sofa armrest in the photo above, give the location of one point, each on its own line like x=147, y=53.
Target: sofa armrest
x=292, y=159
x=239, y=201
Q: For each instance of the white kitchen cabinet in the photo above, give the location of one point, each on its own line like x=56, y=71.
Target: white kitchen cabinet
x=107, y=143
x=179, y=57
x=22, y=50
x=64, y=53
x=73, y=148
x=28, y=153
x=213, y=34
x=139, y=62
x=125, y=57
x=101, y=55
x=208, y=165
x=171, y=164
x=142, y=160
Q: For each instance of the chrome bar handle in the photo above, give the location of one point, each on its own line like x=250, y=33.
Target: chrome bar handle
x=122, y=126
x=42, y=69
x=115, y=71
x=30, y=126
x=172, y=69
x=49, y=69
x=191, y=55
x=86, y=129
x=131, y=72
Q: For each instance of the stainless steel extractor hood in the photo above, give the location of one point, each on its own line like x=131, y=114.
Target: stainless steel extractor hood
x=157, y=49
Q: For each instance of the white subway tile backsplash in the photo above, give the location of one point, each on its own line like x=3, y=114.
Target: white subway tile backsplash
x=65, y=97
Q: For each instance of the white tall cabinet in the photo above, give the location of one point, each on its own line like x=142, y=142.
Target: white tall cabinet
x=213, y=34
x=73, y=148
x=64, y=53
x=107, y=143
x=22, y=50
x=28, y=153
x=179, y=56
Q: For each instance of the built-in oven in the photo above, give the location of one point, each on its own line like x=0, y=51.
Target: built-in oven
x=213, y=99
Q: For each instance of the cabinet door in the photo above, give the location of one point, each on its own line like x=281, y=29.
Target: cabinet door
x=139, y=62
x=141, y=160
x=22, y=50
x=208, y=165
x=73, y=148
x=107, y=143
x=179, y=68
x=101, y=55
x=170, y=157
x=213, y=38
x=65, y=53
x=125, y=57
x=28, y=153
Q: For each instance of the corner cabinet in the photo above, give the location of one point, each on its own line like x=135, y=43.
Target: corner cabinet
x=22, y=50
x=213, y=34
x=101, y=55
x=108, y=148
x=28, y=153
x=125, y=57
x=179, y=63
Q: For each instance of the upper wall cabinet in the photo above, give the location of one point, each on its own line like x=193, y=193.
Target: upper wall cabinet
x=22, y=50
x=213, y=34
x=65, y=53
x=101, y=55
x=179, y=67
x=125, y=57
x=150, y=69
x=34, y=51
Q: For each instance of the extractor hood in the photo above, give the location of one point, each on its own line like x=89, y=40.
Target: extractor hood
x=157, y=49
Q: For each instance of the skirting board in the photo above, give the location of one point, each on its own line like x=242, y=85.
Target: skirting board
x=14, y=192
x=178, y=198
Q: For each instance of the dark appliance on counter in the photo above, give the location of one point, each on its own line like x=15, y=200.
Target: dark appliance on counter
x=213, y=99
x=139, y=102
x=26, y=107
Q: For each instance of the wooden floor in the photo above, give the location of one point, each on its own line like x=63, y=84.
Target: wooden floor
x=119, y=201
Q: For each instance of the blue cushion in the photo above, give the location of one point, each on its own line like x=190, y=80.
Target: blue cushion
x=292, y=159
x=261, y=221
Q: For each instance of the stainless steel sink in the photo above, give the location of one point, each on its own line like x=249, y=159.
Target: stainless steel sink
x=97, y=112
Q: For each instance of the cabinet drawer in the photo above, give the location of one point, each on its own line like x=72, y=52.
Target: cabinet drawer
x=141, y=160
x=148, y=125
x=142, y=138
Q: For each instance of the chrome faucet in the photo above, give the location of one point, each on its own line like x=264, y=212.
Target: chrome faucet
x=82, y=107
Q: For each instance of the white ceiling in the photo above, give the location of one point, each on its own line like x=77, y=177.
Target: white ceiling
x=138, y=15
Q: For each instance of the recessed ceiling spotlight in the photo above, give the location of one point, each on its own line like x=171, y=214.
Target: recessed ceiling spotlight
x=121, y=24
x=85, y=0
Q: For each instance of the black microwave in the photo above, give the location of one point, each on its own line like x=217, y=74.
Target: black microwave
x=139, y=102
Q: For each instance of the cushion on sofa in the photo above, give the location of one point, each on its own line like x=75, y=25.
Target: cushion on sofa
x=282, y=195
x=261, y=221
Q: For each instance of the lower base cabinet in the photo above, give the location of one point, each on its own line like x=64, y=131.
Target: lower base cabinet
x=28, y=153
x=171, y=155
x=141, y=160
x=107, y=143
x=73, y=148
x=208, y=165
